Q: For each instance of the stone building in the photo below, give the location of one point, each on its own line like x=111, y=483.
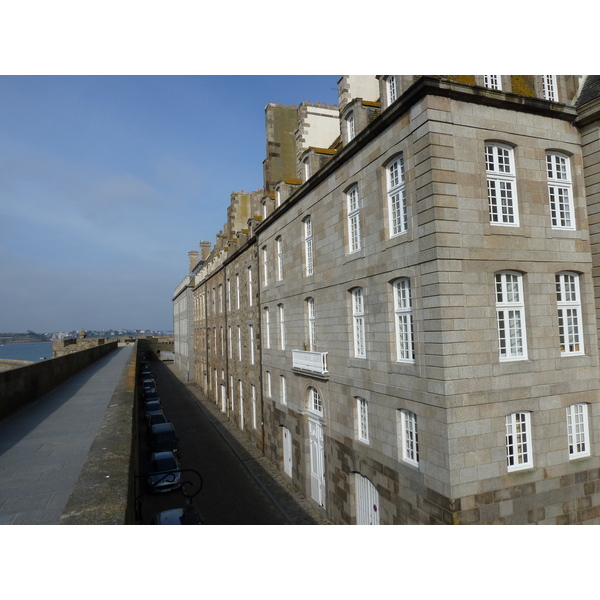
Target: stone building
x=420, y=331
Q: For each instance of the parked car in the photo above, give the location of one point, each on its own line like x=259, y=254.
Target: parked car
x=153, y=408
x=144, y=366
x=156, y=419
x=164, y=474
x=149, y=386
x=151, y=396
x=178, y=516
x=163, y=438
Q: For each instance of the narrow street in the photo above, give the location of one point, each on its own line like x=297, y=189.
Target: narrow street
x=229, y=494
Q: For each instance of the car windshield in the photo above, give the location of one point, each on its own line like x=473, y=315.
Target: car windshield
x=163, y=464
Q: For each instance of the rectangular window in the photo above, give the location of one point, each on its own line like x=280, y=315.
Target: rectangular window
x=267, y=323
x=281, y=327
x=251, y=342
x=283, y=389
x=232, y=392
x=409, y=437
x=549, y=87
x=405, y=345
x=268, y=388
x=265, y=258
x=237, y=290
x=250, y=292
x=392, y=88
x=239, y=332
x=241, y=399
x=560, y=191
x=510, y=313
x=577, y=430
x=308, y=246
x=229, y=343
x=362, y=420
x=312, y=329
x=221, y=299
x=358, y=323
x=569, y=313
x=228, y=295
x=493, y=82
x=254, y=415
x=279, y=259
x=396, y=191
x=350, y=131
x=518, y=441
x=501, y=185
x=353, y=202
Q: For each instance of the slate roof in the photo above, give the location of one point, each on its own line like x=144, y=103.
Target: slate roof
x=590, y=91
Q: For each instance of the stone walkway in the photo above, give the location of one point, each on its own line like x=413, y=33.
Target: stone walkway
x=44, y=446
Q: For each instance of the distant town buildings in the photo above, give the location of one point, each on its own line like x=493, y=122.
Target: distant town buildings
x=404, y=320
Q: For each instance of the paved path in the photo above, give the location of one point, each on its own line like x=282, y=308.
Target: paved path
x=44, y=446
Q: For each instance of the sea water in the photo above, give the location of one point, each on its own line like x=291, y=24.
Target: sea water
x=34, y=352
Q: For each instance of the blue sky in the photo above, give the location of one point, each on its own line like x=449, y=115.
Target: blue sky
x=106, y=183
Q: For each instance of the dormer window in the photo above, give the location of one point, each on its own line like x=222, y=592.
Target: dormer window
x=350, y=126
x=493, y=82
x=392, y=89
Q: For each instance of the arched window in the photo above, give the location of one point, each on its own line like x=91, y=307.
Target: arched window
x=358, y=323
x=396, y=192
x=315, y=403
x=510, y=314
x=405, y=345
x=560, y=191
x=501, y=184
x=353, y=204
x=569, y=313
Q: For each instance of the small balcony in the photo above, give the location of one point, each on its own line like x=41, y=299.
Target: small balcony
x=314, y=363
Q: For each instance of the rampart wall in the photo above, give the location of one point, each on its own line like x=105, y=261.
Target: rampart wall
x=21, y=386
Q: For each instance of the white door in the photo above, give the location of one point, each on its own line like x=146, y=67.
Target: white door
x=367, y=501
x=287, y=451
x=317, y=462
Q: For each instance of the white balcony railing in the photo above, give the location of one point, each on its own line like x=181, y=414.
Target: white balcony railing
x=311, y=362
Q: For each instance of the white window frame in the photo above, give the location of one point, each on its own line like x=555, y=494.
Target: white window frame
x=279, y=241
x=268, y=384
x=503, y=204
x=391, y=86
x=228, y=288
x=265, y=257
x=510, y=316
x=560, y=191
x=350, y=127
x=251, y=342
x=312, y=327
x=254, y=411
x=549, y=88
x=229, y=342
x=519, y=448
x=283, y=389
x=306, y=165
x=405, y=343
x=220, y=298
x=409, y=437
x=241, y=402
x=578, y=435
x=315, y=403
x=568, y=300
x=239, y=330
x=250, y=290
x=358, y=322
x=362, y=420
x=267, y=323
x=281, y=326
x=308, y=247
x=237, y=290
x=493, y=82
x=396, y=193
x=232, y=393
x=353, y=205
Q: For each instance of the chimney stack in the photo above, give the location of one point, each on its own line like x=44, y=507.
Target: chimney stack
x=193, y=258
x=205, y=250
